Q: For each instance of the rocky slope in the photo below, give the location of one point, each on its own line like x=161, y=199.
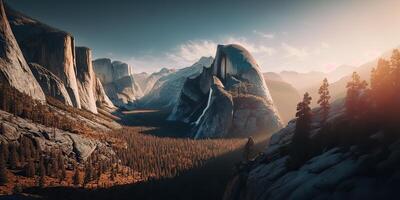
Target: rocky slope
x=73, y=146
x=86, y=78
x=50, y=84
x=14, y=70
x=349, y=169
x=165, y=92
x=49, y=47
x=118, y=81
x=284, y=95
x=229, y=98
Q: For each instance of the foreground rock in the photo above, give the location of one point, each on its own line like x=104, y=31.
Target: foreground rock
x=338, y=172
x=49, y=47
x=165, y=92
x=118, y=81
x=50, y=84
x=14, y=70
x=230, y=98
x=73, y=146
x=86, y=78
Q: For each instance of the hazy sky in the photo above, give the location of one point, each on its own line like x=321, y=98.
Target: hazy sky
x=301, y=35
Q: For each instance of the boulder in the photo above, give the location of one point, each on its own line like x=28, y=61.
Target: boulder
x=14, y=70
x=50, y=84
x=234, y=75
x=86, y=78
x=49, y=47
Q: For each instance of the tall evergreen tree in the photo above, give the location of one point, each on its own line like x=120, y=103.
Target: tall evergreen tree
x=300, y=143
x=323, y=100
x=13, y=157
x=354, y=101
x=3, y=170
x=382, y=90
x=42, y=172
x=30, y=168
x=76, y=178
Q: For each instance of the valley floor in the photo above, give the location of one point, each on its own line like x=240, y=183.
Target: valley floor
x=205, y=181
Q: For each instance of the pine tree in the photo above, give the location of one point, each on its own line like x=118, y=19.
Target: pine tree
x=395, y=64
x=4, y=151
x=42, y=172
x=354, y=101
x=76, y=178
x=323, y=100
x=88, y=174
x=30, y=169
x=382, y=90
x=300, y=143
x=13, y=157
x=3, y=170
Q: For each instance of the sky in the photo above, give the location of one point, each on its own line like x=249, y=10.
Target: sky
x=299, y=35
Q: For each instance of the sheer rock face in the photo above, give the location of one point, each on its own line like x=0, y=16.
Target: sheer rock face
x=166, y=91
x=118, y=81
x=218, y=116
x=233, y=75
x=50, y=84
x=48, y=47
x=86, y=78
x=14, y=69
x=102, y=100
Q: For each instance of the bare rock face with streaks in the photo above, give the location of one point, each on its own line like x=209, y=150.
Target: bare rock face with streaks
x=86, y=78
x=14, y=70
x=49, y=47
x=228, y=99
x=50, y=83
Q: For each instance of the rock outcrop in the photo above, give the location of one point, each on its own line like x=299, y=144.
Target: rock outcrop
x=14, y=69
x=73, y=146
x=86, y=78
x=349, y=169
x=228, y=99
x=165, y=92
x=118, y=81
x=50, y=83
x=48, y=47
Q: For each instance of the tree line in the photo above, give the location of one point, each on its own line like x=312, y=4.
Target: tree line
x=367, y=110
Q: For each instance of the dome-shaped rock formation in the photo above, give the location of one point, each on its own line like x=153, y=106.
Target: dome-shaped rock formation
x=228, y=99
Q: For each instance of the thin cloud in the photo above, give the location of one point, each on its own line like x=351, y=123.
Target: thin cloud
x=292, y=51
x=264, y=35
